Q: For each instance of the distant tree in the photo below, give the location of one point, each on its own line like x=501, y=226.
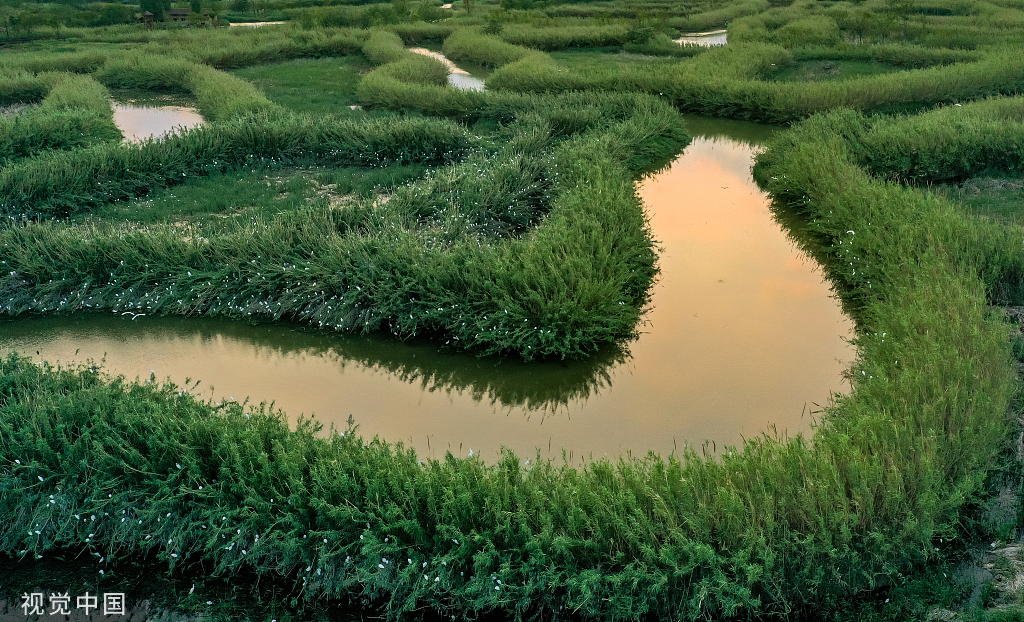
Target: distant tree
x=112, y=14
x=156, y=7
x=426, y=11
x=521, y=5
x=860, y=24
x=496, y=21
x=468, y=4
x=25, y=22
x=197, y=6
x=5, y=20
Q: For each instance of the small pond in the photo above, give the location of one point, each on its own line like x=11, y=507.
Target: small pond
x=141, y=115
x=708, y=39
x=743, y=335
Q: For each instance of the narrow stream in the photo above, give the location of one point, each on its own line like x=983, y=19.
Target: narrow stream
x=459, y=77
x=743, y=335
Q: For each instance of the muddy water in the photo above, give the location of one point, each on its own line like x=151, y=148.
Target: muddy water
x=458, y=78
x=743, y=335
x=140, y=116
x=708, y=39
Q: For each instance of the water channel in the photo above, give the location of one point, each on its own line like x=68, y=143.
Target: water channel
x=459, y=77
x=743, y=337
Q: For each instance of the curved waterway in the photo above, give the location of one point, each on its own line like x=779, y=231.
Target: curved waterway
x=458, y=78
x=743, y=335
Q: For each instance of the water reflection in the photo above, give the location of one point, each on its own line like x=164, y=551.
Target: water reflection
x=139, y=343
x=707, y=39
x=254, y=24
x=143, y=115
x=743, y=334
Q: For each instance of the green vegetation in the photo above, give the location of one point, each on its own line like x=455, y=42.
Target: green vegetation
x=64, y=183
x=728, y=81
x=256, y=192
x=511, y=226
x=486, y=254
x=818, y=70
x=75, y=113
x=988, y=197
x=288, y=83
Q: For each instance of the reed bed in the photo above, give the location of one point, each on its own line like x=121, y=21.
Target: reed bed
x=18, y=86
x=905, y=55
x=221, y=49
x=950, y=144
x=717, y=17
x=65, y=183
x=420, y=32
x=531, y=242
x=775, y=526
x=726, y=82
x=504, y=253
x=469, y=44
x=74, y=114
x=219, y=95
x=66, y=62
x=562, y=37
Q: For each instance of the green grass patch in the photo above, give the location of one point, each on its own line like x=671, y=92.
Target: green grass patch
x=259, y=192
x=75, y=113
x=602, y=59
x=316, y=86
x=823, y=70
x=1000, y=199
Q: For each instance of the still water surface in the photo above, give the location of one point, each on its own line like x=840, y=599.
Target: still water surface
x=140, y=115
x=707, y=39
x=743, y=334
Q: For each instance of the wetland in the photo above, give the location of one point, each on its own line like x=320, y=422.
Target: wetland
x=743, y=337
x=566, y=263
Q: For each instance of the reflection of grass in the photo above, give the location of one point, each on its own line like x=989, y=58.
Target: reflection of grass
x=822, y=70
x=319, y=86
x=1000, y=199
x=746, y=132
x=538, y=386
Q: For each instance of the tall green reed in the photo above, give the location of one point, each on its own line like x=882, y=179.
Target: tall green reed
x=75, y=113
